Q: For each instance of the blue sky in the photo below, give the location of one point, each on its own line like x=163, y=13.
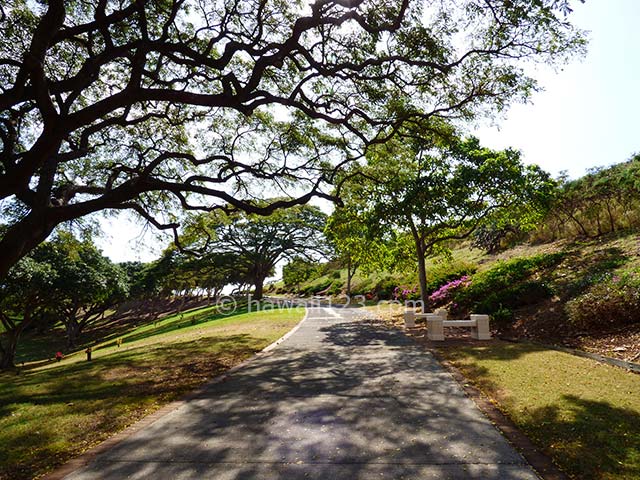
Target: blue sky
x=588, y=113
x=585, y=117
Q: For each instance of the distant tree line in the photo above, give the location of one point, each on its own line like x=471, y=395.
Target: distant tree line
x=605, y=200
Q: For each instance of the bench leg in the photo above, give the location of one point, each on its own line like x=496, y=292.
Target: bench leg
x=435, y=327
x=481, y=331
x=409, y=319
x=441, y=312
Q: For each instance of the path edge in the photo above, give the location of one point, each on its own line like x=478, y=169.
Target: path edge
x=87, y=456
x=541, y=463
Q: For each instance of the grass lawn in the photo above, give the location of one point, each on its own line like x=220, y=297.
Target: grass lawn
x=51, y=412
x=584, y=414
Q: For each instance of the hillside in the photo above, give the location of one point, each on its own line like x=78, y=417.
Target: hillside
x=580, y=293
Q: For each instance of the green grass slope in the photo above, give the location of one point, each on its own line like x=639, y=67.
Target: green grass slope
x=52, y=411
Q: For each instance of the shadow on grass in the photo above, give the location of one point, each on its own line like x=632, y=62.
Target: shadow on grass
x=72, y=406
x=590, y=439
x=41, y=348
x=596, y=440
x=497, y=351
x=100, y=378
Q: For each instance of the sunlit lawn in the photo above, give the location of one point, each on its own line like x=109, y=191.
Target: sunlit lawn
x=584, y=414
x=55, y=411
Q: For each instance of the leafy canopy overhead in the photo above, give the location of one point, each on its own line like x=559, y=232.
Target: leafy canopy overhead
x=157, y=106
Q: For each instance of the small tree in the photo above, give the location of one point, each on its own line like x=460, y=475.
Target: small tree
x=86, y=283
x=435, y=188
x=357, y=242
x=297, y=271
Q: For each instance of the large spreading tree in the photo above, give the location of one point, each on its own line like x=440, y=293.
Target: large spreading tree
x=157, y=106
x=259, y=242
x=85, y=285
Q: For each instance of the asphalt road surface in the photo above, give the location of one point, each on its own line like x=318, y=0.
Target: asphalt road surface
x=339, y=399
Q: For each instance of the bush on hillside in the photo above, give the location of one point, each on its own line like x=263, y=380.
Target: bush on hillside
x=507, y=285
x=445, y=293
x=612, y=302
x=402, y=293
x=444, y=272
x=385, y=287
x=362, y=287
x=335, y=288
x=317, y=287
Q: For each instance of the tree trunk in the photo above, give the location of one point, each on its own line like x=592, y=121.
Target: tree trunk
x=73, y=332
x=12, y=334
x=612, y=222
x=23, y=237
x=8, y=351
x=351, y=271
x=259, y=284
x=580, y=225
x=422, y=274
x=598, y=224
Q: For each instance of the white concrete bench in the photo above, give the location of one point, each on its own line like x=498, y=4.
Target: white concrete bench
x=479, y=324
x=409, y=318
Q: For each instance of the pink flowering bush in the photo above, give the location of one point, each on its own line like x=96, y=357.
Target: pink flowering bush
x=402, y=293
x=443, y=294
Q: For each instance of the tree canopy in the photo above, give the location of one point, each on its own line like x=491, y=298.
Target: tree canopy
x=85, y=285
x=62, y=280
x=257, y=242
x=433, y=187
x=357, y=241
x=157, y=106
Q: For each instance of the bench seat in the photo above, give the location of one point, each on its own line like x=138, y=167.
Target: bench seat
x=479, y=324
x=459, y=323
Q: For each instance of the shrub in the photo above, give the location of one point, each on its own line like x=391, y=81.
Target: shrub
x=442, y=295
x=613, y=301
x=335, y=288
x=507, y=285
x=502, y=316
x=519, y=295
x=363, y=287
x=317, y=286
x=403, y=293
x=444, y=272
x=385, y=287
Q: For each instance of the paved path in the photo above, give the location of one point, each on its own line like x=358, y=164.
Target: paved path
x=339, y=399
